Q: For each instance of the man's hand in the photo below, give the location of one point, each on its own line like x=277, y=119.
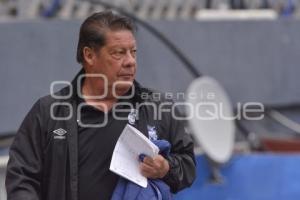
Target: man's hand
x=156, y=167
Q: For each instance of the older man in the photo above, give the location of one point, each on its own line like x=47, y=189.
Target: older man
x=64, y=146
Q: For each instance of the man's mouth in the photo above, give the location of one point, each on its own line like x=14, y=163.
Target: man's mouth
x=126, y=76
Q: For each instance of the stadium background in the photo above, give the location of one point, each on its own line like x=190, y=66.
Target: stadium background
x=251, y=47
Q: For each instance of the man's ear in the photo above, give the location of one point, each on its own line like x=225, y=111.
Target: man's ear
x=88, y=55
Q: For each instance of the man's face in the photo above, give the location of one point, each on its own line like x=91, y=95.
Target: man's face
x=116, y=60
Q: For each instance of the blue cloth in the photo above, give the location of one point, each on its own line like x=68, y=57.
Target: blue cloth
x=156, y=189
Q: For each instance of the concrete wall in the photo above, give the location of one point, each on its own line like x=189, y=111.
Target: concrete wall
x=254, y=60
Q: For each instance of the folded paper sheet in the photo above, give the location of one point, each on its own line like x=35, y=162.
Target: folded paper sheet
x=125, y=159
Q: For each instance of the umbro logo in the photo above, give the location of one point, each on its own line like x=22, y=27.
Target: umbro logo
x=59, y=133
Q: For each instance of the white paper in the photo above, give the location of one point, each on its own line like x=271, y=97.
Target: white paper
x=125, y=159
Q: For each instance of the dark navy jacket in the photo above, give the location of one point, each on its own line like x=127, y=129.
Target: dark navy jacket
x=43, y=167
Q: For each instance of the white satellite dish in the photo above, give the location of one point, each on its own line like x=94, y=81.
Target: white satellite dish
x=211, y=118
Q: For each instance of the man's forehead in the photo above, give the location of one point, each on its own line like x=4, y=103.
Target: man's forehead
x=122, y=37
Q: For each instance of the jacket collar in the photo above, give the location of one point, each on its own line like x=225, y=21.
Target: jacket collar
x=138, y=89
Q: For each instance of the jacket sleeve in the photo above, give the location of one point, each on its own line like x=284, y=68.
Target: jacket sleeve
x=23, y=176
x=182, y=162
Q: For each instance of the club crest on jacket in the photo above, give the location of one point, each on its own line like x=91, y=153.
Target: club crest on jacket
x=152, y=132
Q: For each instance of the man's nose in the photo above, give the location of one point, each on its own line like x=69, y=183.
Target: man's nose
x=130, y=60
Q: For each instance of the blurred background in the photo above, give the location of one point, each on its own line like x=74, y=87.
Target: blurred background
x=251, y=47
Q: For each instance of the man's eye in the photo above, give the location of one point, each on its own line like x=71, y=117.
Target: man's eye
x=133, y=52
x=118, y=54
